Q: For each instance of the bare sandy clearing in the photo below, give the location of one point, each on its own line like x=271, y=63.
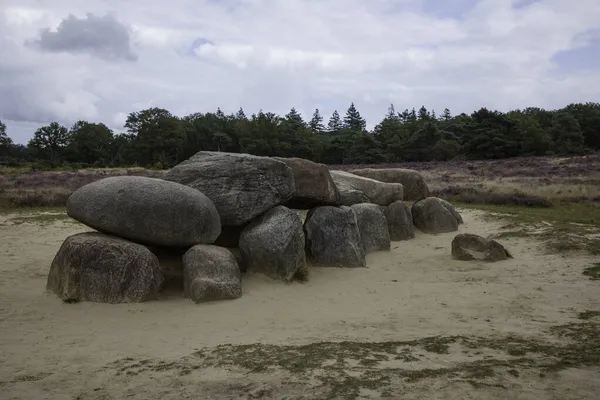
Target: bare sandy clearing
x=99, y=351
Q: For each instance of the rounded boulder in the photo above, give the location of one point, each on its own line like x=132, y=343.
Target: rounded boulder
x=94, y=267
x=430, y=215
x=467, y=247
x=146, y=210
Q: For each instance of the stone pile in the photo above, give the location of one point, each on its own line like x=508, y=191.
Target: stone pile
x=219, y=215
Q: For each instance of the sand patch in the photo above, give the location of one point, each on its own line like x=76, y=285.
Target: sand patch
x=416, y=291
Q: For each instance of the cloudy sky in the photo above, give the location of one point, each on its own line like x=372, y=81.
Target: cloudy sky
x=98, y=60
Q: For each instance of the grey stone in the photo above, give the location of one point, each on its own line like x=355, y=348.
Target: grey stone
x=452, y=209
x=333, y=238
x=273, y=244
x=313, y=182
x=241, y=186
x=353, y=188
x=146, y=210
x=211, y=273
x=467, y=247
x=95, y=267
x=430, y=216
x=399, y=221
x=372, y=226
x=415, y=187
x=349, y=195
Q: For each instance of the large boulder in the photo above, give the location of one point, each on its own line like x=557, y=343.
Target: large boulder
x=92, y=266
x=431, y=216
x=211, y=273
x=313, y=183
x=241, y=186
x=356, y=189
x=372, y=226
x=146, y=210
x=399, y=221
x=333, y=238
x=412, y=181
x=452, y=210
x=349, y=195
x=273, y=244
x=467, y=247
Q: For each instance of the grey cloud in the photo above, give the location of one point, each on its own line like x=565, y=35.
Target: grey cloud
x=101, y=36
x=19, y=100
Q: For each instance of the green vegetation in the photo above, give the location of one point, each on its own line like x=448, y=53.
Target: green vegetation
x=42, y=218
x=565, y=213
x=155, y=138
x=589, y=314
x=593, y=271
x=565, y=227
x=42, y=215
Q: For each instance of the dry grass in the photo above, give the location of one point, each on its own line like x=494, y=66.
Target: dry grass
x=53, y=188
x=536, y=180
x=531, y=182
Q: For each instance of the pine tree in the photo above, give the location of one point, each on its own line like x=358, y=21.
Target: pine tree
x=404, y=116
x=412, y=115
x=316, y=123
x=335, y=123
x=424, y=114
x=240, y=114
x=446, y=116
x=353, y=121
x=391, y=114
x=295, y=119
x=5, y=141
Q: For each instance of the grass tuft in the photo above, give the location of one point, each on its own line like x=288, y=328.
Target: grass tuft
x=593, y=271
x=588, y=314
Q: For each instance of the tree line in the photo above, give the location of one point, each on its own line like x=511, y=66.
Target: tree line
x=155, y=138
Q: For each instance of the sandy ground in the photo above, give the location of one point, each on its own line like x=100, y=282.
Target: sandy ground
x=51, y=350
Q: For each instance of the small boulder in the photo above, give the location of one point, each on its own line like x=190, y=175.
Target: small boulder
x=241, y=186
x=333, y=238
x=353, y=188
x=467, y=247
x=431, y=216
x=313, y=182
x=399, y=221
x=372, y=226
x=273, y=244
x=412, y=181
x=146, y=210
x=95, y=267
x=211, y=273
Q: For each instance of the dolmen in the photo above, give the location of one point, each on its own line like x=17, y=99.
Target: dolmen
x=221, y=215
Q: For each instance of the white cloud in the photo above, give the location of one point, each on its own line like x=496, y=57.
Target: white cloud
x=278, y=54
